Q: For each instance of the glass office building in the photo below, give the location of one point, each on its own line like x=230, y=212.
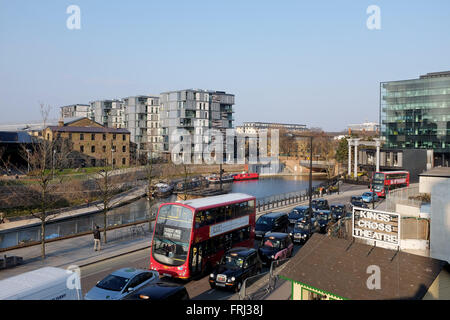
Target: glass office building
x=415, y=114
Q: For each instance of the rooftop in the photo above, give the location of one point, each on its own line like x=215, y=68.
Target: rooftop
x=443, y=172
x=339, y=266
x=210, y=201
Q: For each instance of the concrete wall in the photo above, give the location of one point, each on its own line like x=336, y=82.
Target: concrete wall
x=440, y=221
x=427, y=183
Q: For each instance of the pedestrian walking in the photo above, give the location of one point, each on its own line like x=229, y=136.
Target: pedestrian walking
x=97, y=245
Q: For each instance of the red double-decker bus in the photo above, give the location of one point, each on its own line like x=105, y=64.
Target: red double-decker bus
x=191, y=236
x=383, y=182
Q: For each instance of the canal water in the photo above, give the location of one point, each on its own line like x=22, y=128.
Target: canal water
x=140, y=210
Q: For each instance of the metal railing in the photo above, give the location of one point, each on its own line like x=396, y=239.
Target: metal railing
x=261, y=285
x=292, y=198
x=403, y=196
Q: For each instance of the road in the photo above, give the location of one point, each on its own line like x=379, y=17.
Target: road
x=197, y=289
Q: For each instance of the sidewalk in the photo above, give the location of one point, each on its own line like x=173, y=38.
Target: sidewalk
x=121, y=199
x=79, y=251
x=344, y=196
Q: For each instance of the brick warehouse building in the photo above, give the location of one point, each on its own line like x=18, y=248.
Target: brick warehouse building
x=91, y=143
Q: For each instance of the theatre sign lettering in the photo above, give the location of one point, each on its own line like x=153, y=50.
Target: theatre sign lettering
x=376, y=225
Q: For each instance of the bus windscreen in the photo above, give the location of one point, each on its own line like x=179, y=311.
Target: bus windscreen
x=172, y=235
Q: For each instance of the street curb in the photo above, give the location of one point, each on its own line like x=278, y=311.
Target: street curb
x=114, y=256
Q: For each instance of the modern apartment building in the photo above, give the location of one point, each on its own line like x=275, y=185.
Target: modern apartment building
x=75, y=111
x=415, y=114
x=154, y=127
x=196, y=111
x=137, y=114
x=106, y=112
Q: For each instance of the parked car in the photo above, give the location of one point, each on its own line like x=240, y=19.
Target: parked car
x=369, y=196
x=337, y=211
x=275, y=246
x=302, y=232
x=121, y=283
x=271, y=222
x=323, y=218
x=300, y=212
x=159, y=291
x=236, y=265
x=356, y=199
x=359, y=204
x=320, y=204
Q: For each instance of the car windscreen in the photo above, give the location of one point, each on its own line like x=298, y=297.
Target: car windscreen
x=232, y=261
x=265, y=221
x=113, y=283
x=323, y=217
x=337, y=209
x=271, y=243
x=301, y=226
x=297, y=213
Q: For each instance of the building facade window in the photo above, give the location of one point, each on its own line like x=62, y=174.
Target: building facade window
x=81, y=148
x=124, y=161
x=104, y=148
x=93, y=136
x=81, y=136
x=124, y=149
x=92, y=149
x=104, y=137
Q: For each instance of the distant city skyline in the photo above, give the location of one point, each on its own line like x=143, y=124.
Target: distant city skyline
x=314, y=63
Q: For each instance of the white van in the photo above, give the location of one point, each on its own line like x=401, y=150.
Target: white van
x=42, y=284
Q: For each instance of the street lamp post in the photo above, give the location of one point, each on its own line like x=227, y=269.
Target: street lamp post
x=310, y=182
x=112, y=158
x=28, y=160
x=310, y=179
x=53, y=164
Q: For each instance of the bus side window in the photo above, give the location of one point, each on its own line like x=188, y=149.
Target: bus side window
x=209, y=217
x=235, y=210
x=229, y=212
x=242, y=209
x=199, y=219
x=220, y=214
x=251, y=206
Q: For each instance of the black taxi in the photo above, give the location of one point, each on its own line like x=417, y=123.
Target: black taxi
x=236, y=265
x=275, y=246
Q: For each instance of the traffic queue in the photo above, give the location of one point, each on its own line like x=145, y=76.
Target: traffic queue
x=223, y=251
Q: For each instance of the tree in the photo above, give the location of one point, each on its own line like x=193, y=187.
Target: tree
x=152, y=173
x=108, y=184
x=342, y=151
x=43, y=157
x=287, y=143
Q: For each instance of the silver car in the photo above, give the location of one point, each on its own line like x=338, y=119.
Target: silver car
x=121, y=283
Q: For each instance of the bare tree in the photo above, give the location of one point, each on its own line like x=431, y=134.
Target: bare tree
x=44, y=156
x=152, y=173
x=108, y=185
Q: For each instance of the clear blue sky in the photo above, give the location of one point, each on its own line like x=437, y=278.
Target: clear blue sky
x=310, y=62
